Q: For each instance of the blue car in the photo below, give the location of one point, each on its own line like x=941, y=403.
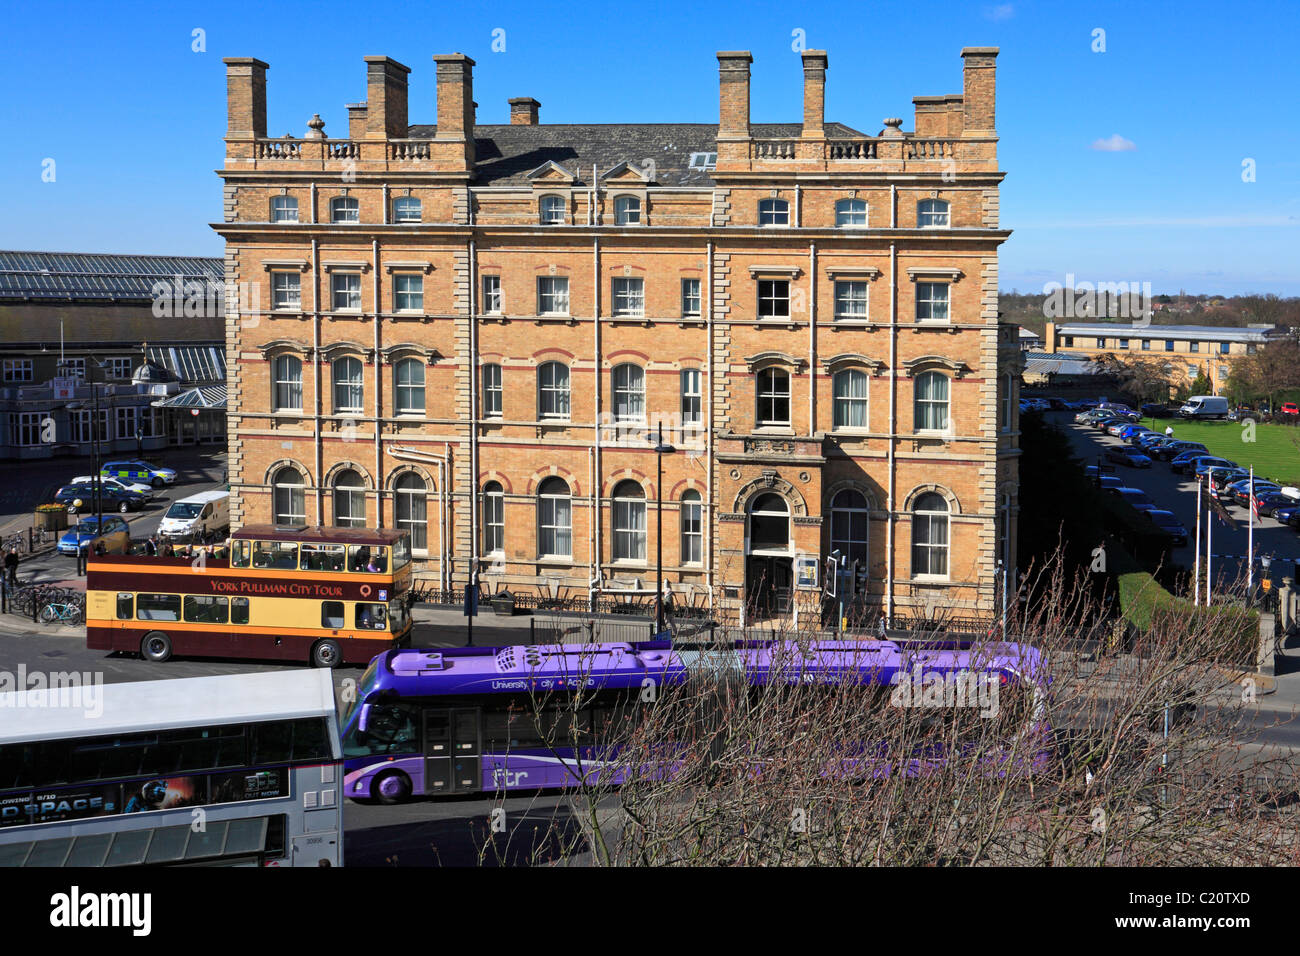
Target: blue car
x=1128, y=456
x=1200, y=466
x=115, y=534
x=135, y=469
x=1131, y=430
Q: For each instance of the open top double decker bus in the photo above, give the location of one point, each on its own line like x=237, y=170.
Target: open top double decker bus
x=328, y=596
x=235, y=770
x=465, y=720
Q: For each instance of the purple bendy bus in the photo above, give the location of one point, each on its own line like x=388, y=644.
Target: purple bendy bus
x=454, y=721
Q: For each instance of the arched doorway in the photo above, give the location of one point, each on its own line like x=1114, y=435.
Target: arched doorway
x=769, y=562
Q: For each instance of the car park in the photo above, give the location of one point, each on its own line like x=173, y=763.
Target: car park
x=1169, y=524
x=110, y=499
x=136, y=469
x=114, y=533
x=1128, y=456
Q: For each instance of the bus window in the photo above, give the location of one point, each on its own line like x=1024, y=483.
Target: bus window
x=389, y=729
x=331, y=614
x=158, y=607
x=279, y=555
x=401, y=552
x=365, y=557
x=371, y=617
x=397, y=614
x=239, y=610
x=203, y=609
x=125, y=605
x=240, y=553
x=323, y=557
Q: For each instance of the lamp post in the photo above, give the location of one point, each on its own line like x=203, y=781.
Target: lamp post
x=661, y=449
x=94, y=435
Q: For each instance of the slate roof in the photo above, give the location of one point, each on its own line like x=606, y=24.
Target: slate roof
x=505, y=154
x=104, y=277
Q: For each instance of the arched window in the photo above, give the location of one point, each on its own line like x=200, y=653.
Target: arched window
x=849, y=515
x=284, y=209
x=692, y=528
x=930, y=536
x=551, y=210
x=629, y=522
x=413, y=509
x=553, y=390
x=345, y=209
x=286, y=374
x=627, y=211
x=494, y=518
x=769, y=524
x=289, y=497
x=554, y=519
x=930, y=402
x=629, y=393
x=773, y=397
x=850, y=388
x=349, y=500
x=409, y=376
x=850, y=213
x=773, y=212
x=348, y=391
x=406, y=209
x=932, y=214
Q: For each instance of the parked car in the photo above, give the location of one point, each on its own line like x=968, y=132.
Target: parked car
x=1171, y=450
x=115, y=535
x=1201, y=466
x=136, y=487
x=110, y=499
x=1240, y=491
x=1267, y=502
x=1104, y=481
x=134, y=469
x=1288, y=516
x=1205, y=406
x=1184, y=463
x=1154, y=410
x=1128, y=456
x=1224, y=475
x=1135, y=497
x=1168, y=523
x=1289, y=410
x=1128, y=432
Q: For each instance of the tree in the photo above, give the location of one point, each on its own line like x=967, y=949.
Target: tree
x=1140, y=379
x=1201, y=385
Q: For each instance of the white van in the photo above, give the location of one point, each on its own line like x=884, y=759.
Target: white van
x=208, y=511
x=1205, y=406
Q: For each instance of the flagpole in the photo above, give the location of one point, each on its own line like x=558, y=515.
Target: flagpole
x=1209, y=560
x=1196, y=562
x=1250, y=540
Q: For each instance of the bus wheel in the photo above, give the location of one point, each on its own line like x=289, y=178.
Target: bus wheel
x=156, y=647
x=391, y=786
x=326, y=654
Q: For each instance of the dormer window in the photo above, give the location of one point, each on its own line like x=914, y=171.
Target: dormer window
x=551, y=209
x=773, y=212
x=627, y=211
x=703, y=161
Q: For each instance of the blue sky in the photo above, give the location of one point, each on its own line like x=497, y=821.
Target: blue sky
x=133, y=117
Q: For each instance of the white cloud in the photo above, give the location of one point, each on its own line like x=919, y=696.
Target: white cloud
x=1114, y=144
x=1003, y=11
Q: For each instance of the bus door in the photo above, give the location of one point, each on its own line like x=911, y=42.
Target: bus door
x=452, y=749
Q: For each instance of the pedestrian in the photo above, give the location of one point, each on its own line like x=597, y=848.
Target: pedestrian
x=1169, y=431
x=11, y=565
x=151, y=545
x=166, y=550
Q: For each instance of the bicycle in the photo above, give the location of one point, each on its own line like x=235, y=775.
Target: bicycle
x=72, y=613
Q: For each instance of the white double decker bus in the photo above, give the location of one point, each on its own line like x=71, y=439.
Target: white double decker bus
x=238, y=770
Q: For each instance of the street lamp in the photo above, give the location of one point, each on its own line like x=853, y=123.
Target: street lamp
x=94, y=433
x=661, y=449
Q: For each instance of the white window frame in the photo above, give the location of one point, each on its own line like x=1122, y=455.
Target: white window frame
x=551, y=507
x=553, y=392
x=934, y=214
x=407, y=201
x=284, y=208
x=295, y=510
x=352, y=389
x=929, y=521
x=842, y=406
x=286, y=385
x=772, y=397
x=406, y=300
x=406, y=501
x=345, y=209
x=491, y=376
x=492, y=298
x=929, y=300
x=19, y=370
x=120, y=368
x=774, y=213
x=851, y=546
x=405, y=391
x=627, y=211
x=494, y=518
x=556, y=290
x=627, y=389
x=345, y=287
x=846, y=213
x=849, y=293
x=774, y=297
x=354, y=496
x=919, y=403
x=627, y=296
x=692, y=396
x=692, y=528
x=286, y=291
x=551, y=210
x=692, y=298
x=629, y=543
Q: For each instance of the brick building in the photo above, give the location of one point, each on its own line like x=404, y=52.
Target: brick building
x=476, y=332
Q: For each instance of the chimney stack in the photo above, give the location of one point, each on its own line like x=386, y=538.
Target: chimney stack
x=357, y=120
x=733, y=94
x=456, y=103
x=385, y=98
x=245, y=97
x=523, y=111
x=814, y=94
x=978, y=88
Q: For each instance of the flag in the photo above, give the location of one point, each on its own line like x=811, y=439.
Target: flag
x=1254, y=505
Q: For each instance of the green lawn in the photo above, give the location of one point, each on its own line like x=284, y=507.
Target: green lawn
x=1275, y=452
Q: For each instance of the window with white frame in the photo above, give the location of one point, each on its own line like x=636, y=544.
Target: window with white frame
x=554, y=519
x=18, y=370
x=627, y=211
x=409, y=376
x=851, y=300
x=105, y=425
x=73, y=368
x=491, y=295
x=345, y=209
x=628, y=295
x=692, y=302
x=345, y=291
x=284, y=209
x=413, y=508
x=930, y=402
x=932, y=302
x=774, y=298
x=629, y=522
x=408, y=292
x=128, y=420
x=289, y=497
x=932, y=214
x=1193, y=346
x=349, y=499
x=348, y=391
x=552, y=295
x=850, y=518
x=553, y=390
x=930, y=536
x=850, y=213
x=494, y=518
x=773, y=397
x=692, y=397
x=79, y=426
x=629, y=393
x=286, y=377
x=490, y=375
x=119, y=368
x=850, y=390
x=406, y=209
x=773, y=212
x=286, y=290
x=692, y=519
x=551, y=210
x=26, y=427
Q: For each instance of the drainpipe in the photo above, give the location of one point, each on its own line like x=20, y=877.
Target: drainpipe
x=315, y=365
x=379, y=395
x=384, y=199
x=312, y=203
x=706, y=514
x=812, y=339
x=597, y=577
x=473, y=414
x=893, y=406
x=593, y=579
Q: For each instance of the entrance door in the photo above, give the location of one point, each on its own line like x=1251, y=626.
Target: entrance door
x=451, y=750
x=768, y=584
